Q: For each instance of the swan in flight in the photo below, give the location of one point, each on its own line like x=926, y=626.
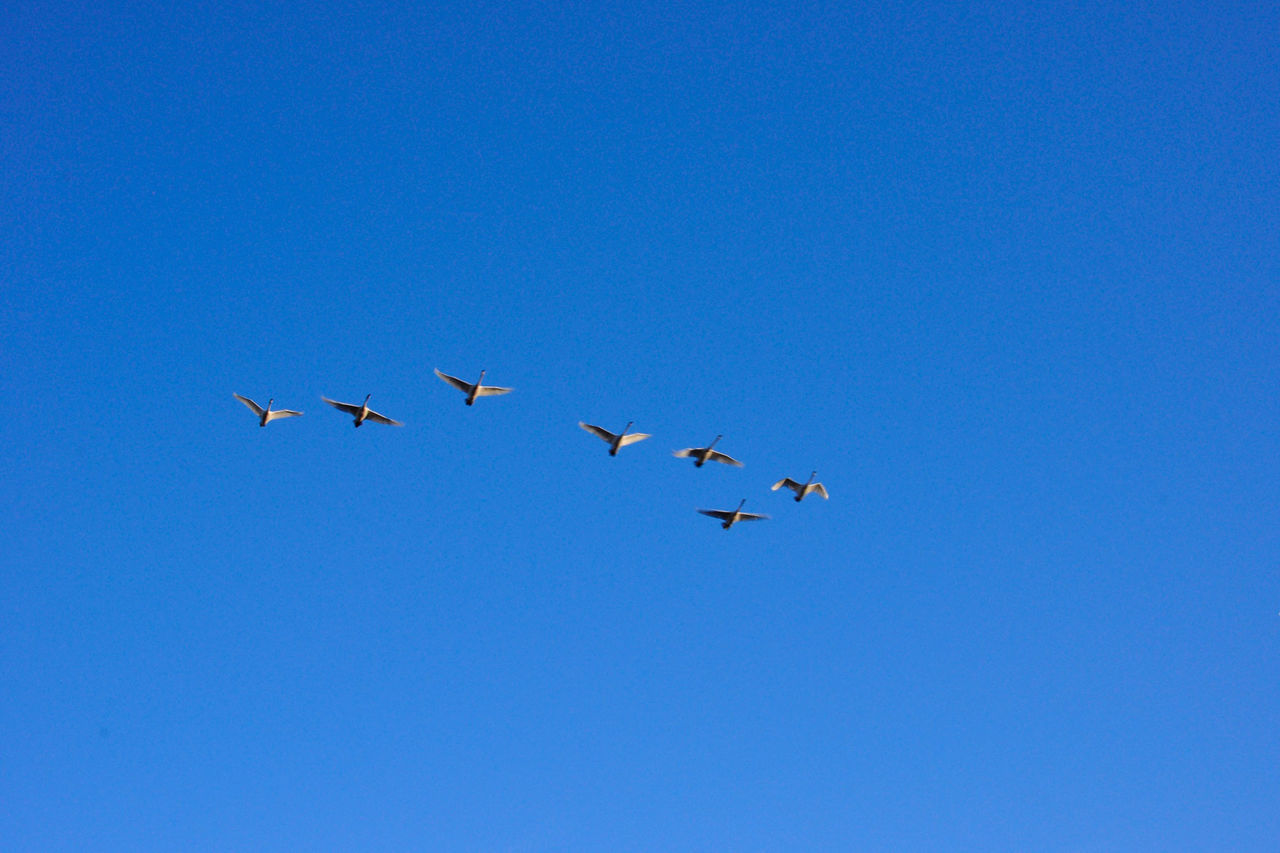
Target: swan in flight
x=473, y=391
x=703, y=455
x=362, y=412
x=615, y=442
x=730, y=517
x=265, y=416
x=802, y=489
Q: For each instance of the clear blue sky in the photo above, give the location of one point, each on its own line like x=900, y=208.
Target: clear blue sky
x=1008, y=277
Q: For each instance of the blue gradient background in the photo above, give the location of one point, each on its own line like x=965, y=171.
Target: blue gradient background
x=1007, y=276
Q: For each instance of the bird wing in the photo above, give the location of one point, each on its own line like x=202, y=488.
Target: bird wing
x=461, y=384
x=721, y=514
x=491, y=391
x=786, y=481
x=632, y=438
x=349, y=408
x=819, y=489
x=283, y=413
x=751, y=516
x=257, y=410
x=723, y=457
x=686, y=453
x=382, y=419
x=600, y=432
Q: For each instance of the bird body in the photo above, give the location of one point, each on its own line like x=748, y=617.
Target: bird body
x=702, y=455
x=730, y=517
x=615, y=442
x=362, y=412
x=265, y=416
x=473, y=390
x=801, y=489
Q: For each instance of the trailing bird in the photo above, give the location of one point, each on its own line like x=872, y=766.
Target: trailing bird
x=802, y=489
x=265, y=416
x=473, y=391
x=362, y=412
x=731, y=517
x=702, y=455
x=615, y=442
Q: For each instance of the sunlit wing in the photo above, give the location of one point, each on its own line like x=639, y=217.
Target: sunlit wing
x=632, y=438
x=491, y=391
x=819, y=489
x=381, y=419
x=687, y=452
x=723, y=515
x=786, y=481
x=461, y=385
x=349, y=408
x=751, y=516
x=283, y=413
x=599, y=432
x=723, y=457
x=257, y=410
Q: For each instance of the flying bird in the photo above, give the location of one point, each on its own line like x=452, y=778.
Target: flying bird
x=615, y=442
x=802, y=489
x=703, y=455
x=265, y=416
x=473, y=391
x=362, y=412
x=731, y=517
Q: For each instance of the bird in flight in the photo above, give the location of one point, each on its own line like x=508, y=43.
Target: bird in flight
x=802, y=489
x=615, y=442
x=362, y=412
x=703, y=455
x=473, y=391
x=265, y=416
x=730, y=517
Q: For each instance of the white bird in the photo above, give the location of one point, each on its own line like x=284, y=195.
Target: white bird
x=615, y=442
x=265, y=416
x=362, y=412
x=473, y=391
x=732, y=517
x=702, y=455
x=802, y=489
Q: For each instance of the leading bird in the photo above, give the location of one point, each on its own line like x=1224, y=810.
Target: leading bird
x=473, y=391
x=266, y=416
x=802, y=489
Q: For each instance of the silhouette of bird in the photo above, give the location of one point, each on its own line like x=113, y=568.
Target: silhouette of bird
x=473, y=391
x=266, y=416
x=703, y=455
x=615, y=442
x=730, y=517
x=802, y=489
x=362, y=412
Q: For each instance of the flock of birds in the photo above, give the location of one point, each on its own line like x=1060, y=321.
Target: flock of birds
x=361, y=412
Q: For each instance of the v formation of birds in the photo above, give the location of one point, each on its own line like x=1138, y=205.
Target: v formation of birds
x=360, y=413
